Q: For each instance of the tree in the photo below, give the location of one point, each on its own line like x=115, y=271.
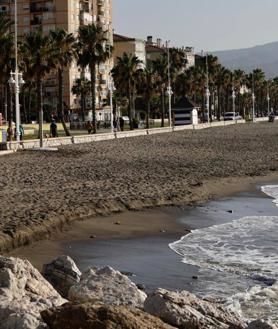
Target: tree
x=125, y=75
x=93, y=49
x=63, y=48
x=5, y=24
x=38, y=58
x=82, y=89
x=160, y=68
x=148, y=88
x=6, y=55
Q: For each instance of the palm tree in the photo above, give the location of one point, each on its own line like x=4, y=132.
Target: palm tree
x=6, y=54
x=125, y=75
x=239, y=82
x=37, y=55
x=82, y=89
x=160, y=67
x=92, y=50
x=148, y=87
x=5, y=24
x=62, y=44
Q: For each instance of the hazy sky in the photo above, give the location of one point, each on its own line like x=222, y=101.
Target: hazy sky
x=204, y=24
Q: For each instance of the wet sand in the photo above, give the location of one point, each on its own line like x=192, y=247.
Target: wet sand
x=140, y=243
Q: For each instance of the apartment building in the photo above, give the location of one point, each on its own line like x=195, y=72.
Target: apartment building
x=156, y=49
x=131, y=46
x=69, y=15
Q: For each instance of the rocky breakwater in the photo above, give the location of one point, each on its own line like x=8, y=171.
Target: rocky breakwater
x=24, y=293
x=185, y=310
x=100, y=299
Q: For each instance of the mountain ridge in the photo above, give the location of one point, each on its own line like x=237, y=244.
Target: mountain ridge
x=264, y=57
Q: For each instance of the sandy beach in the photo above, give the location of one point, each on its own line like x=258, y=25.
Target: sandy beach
x=41, y=192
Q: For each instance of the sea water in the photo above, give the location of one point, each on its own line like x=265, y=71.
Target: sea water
x=238, y=263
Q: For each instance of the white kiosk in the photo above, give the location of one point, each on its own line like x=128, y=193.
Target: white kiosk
x=185, y=112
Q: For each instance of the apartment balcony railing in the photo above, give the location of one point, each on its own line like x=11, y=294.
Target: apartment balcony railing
x=36, y=8
x=36, y=21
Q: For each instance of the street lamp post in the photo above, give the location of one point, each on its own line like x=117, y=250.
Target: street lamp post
x=234, y=100
x=268, y=100
x=16, y=77
x=111, y=88
x=207, y=90
x=16, y=81
x=169, y=88
x=253, y=99
x=253, y=106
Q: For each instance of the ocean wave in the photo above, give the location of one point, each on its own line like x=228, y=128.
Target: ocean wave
x=272, y=191
x=238, y=262
x=246, y=246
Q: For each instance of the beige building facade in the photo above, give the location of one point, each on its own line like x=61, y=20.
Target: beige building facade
x=69, y=15
x=131, y=46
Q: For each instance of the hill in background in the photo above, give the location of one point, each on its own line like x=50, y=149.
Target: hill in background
x=264, y=57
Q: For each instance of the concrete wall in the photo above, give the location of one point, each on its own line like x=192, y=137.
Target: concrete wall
x=55, y=142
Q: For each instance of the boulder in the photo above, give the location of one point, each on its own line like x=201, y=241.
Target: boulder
x=185, y=310
x=62, y=273
x=88, y=316
x=108, y=286
x=261, y=324
x=24, y=293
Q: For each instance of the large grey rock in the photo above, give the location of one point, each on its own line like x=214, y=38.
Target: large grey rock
x=261, y=324
x=107, y=286
x=24, y=293
x=62, y=273
x=185, y=310
x=89, y=316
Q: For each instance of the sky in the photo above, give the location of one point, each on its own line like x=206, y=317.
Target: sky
x=204, y=24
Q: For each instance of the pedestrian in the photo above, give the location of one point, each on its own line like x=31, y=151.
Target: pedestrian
x=53, y=129
x=122, y=123
x=89, y=127
x=21, y=132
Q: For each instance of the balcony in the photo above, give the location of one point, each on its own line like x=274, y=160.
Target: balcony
x=41, y=7
x=36, y=21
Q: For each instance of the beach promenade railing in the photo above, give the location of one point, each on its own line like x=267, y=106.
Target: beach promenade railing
x=55, y=142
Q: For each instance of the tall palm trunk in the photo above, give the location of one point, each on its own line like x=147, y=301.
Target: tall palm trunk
x=83, y=105
x=6, y=102
x=148, y=113
x=29, y=103
x=162, y=100
x=40, y=109
x=10, y=113
x=61, y=114
x=218, y=104
x=130, y=108
x=93, y=93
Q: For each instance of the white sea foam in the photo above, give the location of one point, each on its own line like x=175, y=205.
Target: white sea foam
x=272, y=191
x=238, y=261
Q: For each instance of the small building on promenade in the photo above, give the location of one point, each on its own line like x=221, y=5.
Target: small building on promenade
x=185, y=112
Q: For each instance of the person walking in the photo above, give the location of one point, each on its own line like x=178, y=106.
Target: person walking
x=89, y=127
x=53, y=129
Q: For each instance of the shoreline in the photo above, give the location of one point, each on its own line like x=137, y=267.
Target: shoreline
x=159, y=222
x=212, y=189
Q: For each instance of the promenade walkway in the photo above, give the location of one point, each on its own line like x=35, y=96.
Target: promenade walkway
x=55, y=142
